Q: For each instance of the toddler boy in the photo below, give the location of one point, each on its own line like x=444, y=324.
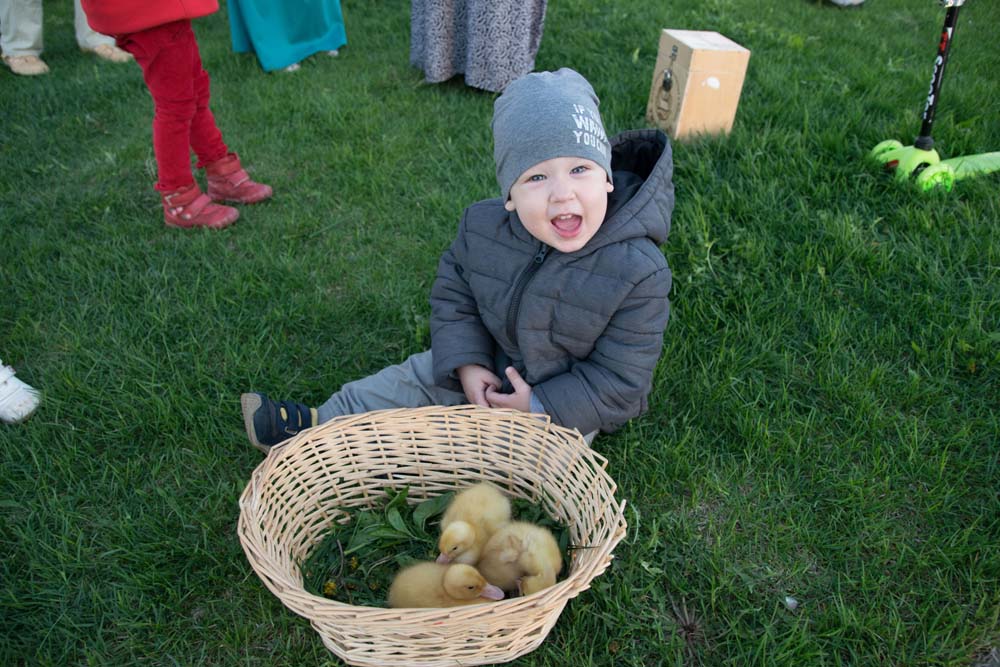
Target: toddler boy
x=552, y=299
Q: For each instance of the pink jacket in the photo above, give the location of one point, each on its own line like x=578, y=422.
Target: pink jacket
x=121, y=17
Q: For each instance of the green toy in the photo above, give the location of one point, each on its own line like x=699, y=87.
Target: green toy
x=920, y=159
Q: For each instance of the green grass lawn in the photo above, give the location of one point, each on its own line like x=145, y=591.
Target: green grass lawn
x=825, y=417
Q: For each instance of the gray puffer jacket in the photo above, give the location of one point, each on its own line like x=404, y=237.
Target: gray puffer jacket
x=584, y=329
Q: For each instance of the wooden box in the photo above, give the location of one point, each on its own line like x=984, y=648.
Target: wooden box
x=697, y=83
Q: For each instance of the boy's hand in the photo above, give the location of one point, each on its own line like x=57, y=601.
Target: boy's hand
x=476, y=381
x=519, y=400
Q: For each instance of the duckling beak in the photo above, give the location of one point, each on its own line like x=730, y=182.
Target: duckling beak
x=443, y=558
x=491, y=592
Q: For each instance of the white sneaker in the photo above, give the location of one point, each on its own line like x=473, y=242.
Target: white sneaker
x=847, y=3
x=17, y=399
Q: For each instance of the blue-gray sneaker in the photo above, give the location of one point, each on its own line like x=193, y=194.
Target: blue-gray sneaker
x=270, y=423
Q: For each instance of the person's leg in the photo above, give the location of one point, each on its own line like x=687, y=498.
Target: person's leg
x=205, y=136
x=21, y=36
x=227, y=180
x=90, y=41
x=86, y=38
x=21, y=27
x=406, y=385
x=166, y=54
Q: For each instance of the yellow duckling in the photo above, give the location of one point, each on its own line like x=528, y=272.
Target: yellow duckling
x=521, y=556
x=472, y=517
x=437, y=585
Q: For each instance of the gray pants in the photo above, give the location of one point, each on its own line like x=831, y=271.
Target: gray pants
x=21, y=28
x=406, y=385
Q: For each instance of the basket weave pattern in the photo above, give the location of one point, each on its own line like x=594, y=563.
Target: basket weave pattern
x=303, y=486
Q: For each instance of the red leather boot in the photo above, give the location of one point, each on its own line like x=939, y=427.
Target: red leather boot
x=189, y=207
x=229, y=181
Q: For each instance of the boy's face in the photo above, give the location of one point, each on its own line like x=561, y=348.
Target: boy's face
x=561, y=201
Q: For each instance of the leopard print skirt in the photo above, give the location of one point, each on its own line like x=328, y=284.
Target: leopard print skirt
x=491, y=42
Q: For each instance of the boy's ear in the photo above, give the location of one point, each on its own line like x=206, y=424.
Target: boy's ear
x=610, y=186
x=509, y=204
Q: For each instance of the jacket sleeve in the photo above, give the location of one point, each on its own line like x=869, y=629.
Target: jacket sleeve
x=612, y=384
x=458, y=335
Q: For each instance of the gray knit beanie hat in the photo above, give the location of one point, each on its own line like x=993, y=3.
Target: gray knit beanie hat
x=545, y=115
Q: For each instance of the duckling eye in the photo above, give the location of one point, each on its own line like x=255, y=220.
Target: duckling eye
x=454, y=547
x=471, y=588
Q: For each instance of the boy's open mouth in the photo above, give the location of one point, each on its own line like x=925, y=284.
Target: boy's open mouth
x=567, y=225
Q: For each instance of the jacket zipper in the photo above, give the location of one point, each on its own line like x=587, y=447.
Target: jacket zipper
x=514, y=311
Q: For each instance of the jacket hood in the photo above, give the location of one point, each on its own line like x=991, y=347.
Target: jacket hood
x=642, y=166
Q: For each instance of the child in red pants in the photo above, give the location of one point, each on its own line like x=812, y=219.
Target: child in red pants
x=159, y=36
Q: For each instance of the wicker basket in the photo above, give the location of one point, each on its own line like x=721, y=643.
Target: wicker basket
x=302, y=486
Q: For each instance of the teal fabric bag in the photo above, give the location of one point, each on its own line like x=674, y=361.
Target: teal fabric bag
x=282, y=33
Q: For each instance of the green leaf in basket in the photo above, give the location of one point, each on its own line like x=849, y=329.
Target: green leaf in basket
x=395, y=520
x=386, y=538
x=359, y=541
x=563, y=537
x=397, y=498
x=430, y=508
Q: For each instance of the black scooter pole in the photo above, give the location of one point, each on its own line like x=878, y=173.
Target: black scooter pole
x=924, y=141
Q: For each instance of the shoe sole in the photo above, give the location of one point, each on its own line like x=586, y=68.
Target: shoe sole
x=250, y=403
x=251, y=200
x=20, y=419
x=223, y=225
x=19, y=401
x=24, y=72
